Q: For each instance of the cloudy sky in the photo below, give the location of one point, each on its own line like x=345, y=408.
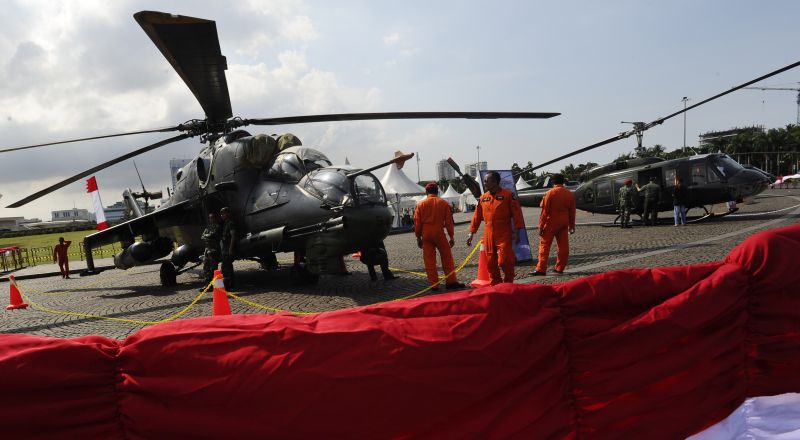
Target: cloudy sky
x=81, y=68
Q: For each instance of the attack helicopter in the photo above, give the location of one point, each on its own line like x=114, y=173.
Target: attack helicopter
x=710, y=178
x=283, y=196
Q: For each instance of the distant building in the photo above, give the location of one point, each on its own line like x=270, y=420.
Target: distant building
x=10, y=223
x=174, y=166
x=444, y=170
x=73, y=214
x=474, y=169
x=116, y=213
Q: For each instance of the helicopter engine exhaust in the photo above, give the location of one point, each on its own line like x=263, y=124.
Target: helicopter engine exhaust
x=142, y=252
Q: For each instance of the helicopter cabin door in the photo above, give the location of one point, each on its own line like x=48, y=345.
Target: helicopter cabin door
x=603, y=199
x=643, y=178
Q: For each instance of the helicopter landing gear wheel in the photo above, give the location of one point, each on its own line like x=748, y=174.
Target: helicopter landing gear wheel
x=301, y=275
x=167, y=274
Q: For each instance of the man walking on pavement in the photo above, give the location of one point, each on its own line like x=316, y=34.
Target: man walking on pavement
x=497, y=207
x=652, y=195
x=228, y=245
x=625, y=200
x=211, y=256
x=557, y=219
x=60, y=256
x=431, y=217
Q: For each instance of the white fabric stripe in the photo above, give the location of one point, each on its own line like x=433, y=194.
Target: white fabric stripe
x=99, y=214
x=765, y=417
x=219, y=284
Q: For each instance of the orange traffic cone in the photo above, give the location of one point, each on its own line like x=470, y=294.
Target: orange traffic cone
x=356, y=255
x=483, y=279
x=221, y=306
x=16, y=298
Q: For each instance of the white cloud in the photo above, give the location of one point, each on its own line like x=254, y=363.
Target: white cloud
x=391, y=38
x=299, y=29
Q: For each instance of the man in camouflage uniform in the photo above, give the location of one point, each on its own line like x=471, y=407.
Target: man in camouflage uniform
x=228, y=244
x=625, y=204
x=652, y=195
x=211, y=256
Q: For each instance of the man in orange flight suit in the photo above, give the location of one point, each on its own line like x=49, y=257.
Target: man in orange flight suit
x=557, y=219
x=497, y=206
x=60, y=256
x=431, y=217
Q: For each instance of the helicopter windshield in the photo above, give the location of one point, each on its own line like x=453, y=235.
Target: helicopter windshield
x=329, y=185
x=726, y=166
x=369, y=190
x=332, y=186
x=295, y=162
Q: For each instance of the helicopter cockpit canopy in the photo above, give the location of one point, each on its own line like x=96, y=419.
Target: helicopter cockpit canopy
x=332, y=186
x=293, y=163
x=725, y=165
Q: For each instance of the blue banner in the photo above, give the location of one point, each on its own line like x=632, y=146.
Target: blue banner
x=522, y=250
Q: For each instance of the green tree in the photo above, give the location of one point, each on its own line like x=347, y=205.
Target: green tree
x=443, y=184
x=458, y=184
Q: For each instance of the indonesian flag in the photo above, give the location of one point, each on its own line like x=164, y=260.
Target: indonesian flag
x=99, y=214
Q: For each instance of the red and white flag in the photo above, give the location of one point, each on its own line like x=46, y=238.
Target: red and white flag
x=99, y=214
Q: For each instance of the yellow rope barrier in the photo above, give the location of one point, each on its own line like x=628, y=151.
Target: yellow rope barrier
x=276, y=310
x=36, y=306
x=41, y=308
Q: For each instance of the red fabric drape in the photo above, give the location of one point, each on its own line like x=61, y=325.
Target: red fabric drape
x=640, y=353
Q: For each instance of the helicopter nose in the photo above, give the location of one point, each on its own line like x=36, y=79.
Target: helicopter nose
x=749, y=182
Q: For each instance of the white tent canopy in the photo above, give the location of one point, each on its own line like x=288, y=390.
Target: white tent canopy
x=398, y=189
x=466, y=199
x=451, y=195
x=787, y=179
x=395, y=181
x=522, y=184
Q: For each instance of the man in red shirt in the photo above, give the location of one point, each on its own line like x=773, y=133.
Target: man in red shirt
x=557, y=219
x=60, y=256
x=431, y=217
x=497, y=207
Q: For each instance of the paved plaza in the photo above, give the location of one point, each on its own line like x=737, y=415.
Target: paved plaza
x=117, y=303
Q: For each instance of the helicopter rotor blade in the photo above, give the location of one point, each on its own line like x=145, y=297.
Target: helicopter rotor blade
x=397, y=115
x=105, y=136
x=192, y=48
x=95, y=169
x=658, y=121
x=399, y=159
x=469, y=181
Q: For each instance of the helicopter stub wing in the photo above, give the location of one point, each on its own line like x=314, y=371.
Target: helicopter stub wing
x=149, y=224
x=192, y=48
